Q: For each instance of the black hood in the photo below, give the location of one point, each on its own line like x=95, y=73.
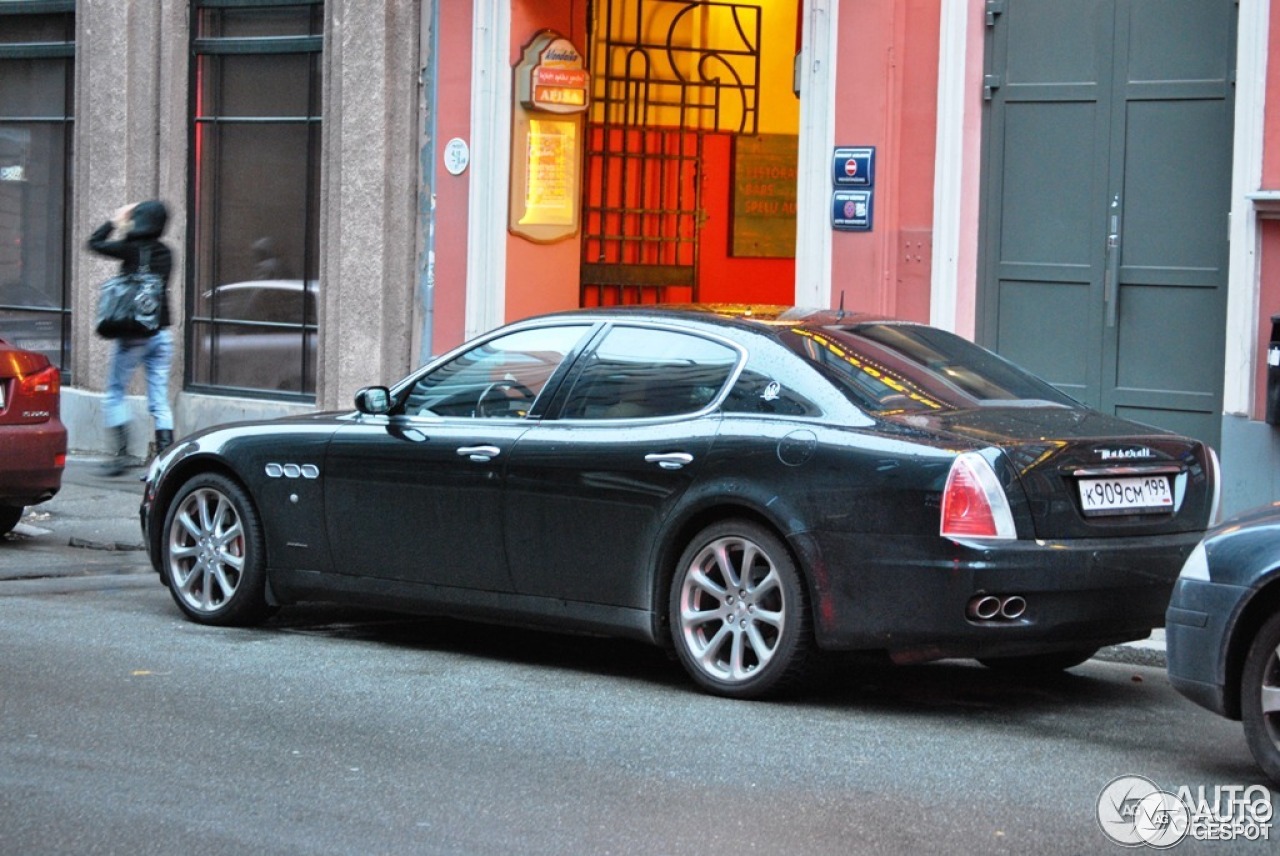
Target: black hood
x=149, y=219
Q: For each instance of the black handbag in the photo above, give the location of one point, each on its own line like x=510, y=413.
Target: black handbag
x=129, y=303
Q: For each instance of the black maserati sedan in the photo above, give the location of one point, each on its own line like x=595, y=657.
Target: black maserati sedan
x=1223, y=629
x=748, y=486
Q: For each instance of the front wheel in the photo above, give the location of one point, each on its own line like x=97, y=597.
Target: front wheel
x=1039, y=664
x=738, y=612
x=1260, y=698
x=212, y=554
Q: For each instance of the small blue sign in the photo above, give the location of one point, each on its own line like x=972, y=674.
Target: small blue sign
x=851, y=210
x=854, y=166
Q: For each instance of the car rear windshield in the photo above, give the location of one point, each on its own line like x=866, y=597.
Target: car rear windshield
x=896, y=367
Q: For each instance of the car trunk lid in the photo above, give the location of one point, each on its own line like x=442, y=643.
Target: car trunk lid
x=1085, y=474
x=29, y=387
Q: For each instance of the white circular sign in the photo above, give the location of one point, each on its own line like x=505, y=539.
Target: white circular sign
x=456, y=156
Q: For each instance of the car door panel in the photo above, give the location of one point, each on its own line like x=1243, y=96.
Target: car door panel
x=586, y=501
x=420, y=500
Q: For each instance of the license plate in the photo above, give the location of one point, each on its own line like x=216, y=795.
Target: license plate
x=1126, y=495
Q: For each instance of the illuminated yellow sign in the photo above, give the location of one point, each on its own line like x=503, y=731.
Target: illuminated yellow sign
x=550, y=100
x=549, y=198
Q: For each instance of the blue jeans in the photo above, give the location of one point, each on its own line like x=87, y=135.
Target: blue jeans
x=155, y=353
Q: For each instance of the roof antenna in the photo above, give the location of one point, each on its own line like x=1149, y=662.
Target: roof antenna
x=840, y=314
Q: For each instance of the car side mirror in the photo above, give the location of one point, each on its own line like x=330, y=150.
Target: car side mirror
x=374, y=400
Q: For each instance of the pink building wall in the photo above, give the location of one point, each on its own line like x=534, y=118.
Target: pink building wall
x=453, y=119
x=886, y=96
x=1269, y=232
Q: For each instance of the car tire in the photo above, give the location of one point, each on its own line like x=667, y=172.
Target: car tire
x=1259, y=682
x=739, y=612
x=1039, y=664
x=9, y=517
x=212, y=554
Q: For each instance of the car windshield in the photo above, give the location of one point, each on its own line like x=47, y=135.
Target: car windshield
x=893, y=368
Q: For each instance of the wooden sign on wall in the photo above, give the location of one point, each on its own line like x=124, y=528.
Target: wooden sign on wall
x=764, y=196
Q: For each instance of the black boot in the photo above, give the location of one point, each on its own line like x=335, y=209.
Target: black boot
x=164, y=439
x=118, y=445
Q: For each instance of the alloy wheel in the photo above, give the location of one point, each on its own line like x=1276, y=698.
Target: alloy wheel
x=732, y=609
x=206, y=550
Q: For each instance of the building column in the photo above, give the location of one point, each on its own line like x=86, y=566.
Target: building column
x=370, y=172
x=130, y=144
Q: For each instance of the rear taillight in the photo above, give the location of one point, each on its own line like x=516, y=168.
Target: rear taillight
x=973, y=503
x=47, y=381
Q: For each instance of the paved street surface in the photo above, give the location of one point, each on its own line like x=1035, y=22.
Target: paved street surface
x=126, y=729
x=90, y=528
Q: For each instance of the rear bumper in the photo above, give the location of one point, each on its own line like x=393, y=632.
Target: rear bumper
x=1197, y=630
x=32, y=458
x=910, y=596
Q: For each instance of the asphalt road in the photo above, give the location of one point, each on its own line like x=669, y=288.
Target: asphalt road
x=126, y=729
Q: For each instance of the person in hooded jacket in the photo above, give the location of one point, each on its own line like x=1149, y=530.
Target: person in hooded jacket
x=137, y=228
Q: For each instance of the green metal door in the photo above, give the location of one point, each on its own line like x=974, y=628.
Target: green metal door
x=1106, y=190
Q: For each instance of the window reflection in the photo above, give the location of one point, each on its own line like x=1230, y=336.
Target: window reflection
x=36, y=103
x=498, y=379
x=254, y=301
x=638, y=373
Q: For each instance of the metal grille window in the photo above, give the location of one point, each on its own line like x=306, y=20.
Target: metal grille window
x=255, y=197
x=37, y=57
x=664, y=73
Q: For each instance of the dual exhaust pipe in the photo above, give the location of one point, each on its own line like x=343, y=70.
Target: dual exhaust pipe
x=990, y=607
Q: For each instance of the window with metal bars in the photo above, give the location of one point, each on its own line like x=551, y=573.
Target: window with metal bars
x=255, y=189
x=664, y=74
x=37, y=64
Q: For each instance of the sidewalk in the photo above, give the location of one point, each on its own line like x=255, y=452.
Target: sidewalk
x=91, y=527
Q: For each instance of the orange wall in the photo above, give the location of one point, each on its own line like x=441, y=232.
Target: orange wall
x=543, y=277
x=721, y=277
x=886, y=96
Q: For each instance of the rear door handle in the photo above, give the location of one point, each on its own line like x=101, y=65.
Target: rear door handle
x=669, y=460
x=480, y=454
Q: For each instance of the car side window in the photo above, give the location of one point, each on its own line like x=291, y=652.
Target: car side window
x=638, y=373
x=500, y=378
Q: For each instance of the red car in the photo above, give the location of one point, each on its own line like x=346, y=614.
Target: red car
x=33, y=440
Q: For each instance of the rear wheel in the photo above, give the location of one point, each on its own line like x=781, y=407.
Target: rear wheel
x=9, y=517
x=212, y=553
x=738, y=612
x=1260, y=698
x=1039, y=664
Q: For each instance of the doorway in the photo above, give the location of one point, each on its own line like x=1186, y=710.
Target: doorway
x=691, y=149
x=1106, y=192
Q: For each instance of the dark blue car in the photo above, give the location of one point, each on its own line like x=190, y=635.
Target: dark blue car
x=1223, y=629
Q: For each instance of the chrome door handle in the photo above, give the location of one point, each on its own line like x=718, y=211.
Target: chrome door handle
x=480, y=454
x=669, y=460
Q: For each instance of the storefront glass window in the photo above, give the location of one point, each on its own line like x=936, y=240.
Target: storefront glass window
x=256, y=183
x=37, y=55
